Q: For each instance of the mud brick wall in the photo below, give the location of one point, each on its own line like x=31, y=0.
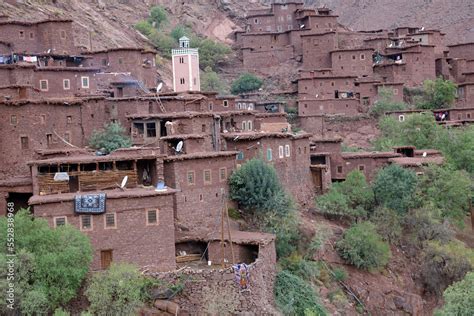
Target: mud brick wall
x=329, y=106
x=132, y=240
x=216, y=292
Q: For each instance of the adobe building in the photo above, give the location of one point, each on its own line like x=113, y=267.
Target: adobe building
x=130, y=224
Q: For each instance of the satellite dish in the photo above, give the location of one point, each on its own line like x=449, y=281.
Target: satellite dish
x=159, y=87
x=301, y=26
x=49, y=50
x=236, y=137
x=424, y=154
x=124, y=182
x=179, y=147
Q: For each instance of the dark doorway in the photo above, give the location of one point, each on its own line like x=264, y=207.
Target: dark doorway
x=20, y=200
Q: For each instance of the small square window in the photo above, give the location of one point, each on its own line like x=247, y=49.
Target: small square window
x=361, y=167
x=60, y=221
x=32, y=35
x=191, y=178
x=69, y=119
x=44, y=85
x=49, y=139
x=13, y=120
x=22, y=34
x=120, y=61
x=152, y=217
x=240, y=155
x=401, y=118
x=362, y=57
x=86, y=222
x=244, y=126
x=353, y=57
x=151, y=129
x=339, y=169
x=280, y=152
x=85, y=82
x=395, y=91
x=207, y=177
x=182, y=81
x=66, y=84
x=226, y=103
x=223, y=174
x=287, y=150
x=110, y=220
x=24, y=142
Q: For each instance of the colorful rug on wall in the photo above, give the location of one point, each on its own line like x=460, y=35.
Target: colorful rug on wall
x=90, y=203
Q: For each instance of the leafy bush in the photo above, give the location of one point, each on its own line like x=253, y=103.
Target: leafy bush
x=163, y=43
x=180, y=31
x=388, y=224
x=294, y=296
x=351, y=198
x=120, y=290
x=247, y=82
x=443, y=265
x=210, y=81
x=61, y=312
x=255, y=186
x=211, y=53
x=51, y=263
x=438, y=94
x=285, y=227
x=385, y=103
x=339, y=274
x=111, y=138
x=447, y=190
x=297, y=265
x=394, y=187
x=459, y=298
x=158, y=16
x=363, y=247
x=144, y=27
x=423, y=226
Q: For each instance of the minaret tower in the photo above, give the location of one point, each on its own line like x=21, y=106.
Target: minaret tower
x=185, y=67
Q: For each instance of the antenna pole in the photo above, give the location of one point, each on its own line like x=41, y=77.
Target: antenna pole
x=228, y=230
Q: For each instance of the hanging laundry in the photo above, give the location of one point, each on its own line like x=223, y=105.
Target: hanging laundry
x=2, y=60
x=242, y=276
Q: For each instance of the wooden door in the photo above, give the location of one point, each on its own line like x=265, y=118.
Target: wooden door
x=105, y=259
x=317, y=179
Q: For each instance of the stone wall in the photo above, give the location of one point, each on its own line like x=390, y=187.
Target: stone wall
x=215, y=291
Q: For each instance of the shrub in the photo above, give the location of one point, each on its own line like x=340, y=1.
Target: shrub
x=423, y=226
x=388, y=224
x=363, y=247
x=394, y=188
x=61, y=312
x=116, y=291
x=180, y=31
x=144, y=27
x=51, y=263
x=247, y=82
x=285, y=227
x=210, y=81
x=158, y=16
x=385, y=103
x=339, y=274
x=294, y=296
x=111, y=138
x=443, y=265
x=211, y=53
x=163, y=43
x=438, y=94
x=255, y=186
x=447, y=190
x=297, y=265
x=351, y=198
x=459, y=298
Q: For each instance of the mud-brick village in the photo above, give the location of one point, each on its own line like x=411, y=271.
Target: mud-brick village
x=263, y=157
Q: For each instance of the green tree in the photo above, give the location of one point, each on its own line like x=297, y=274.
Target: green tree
x=385, y=103
x=111, y=138
x=388, y=224
x=210, y=81
x=447, y=190
x=352, y=198
x=211, y=53
x=163, y=43
x=51, y=263
x=144, y=27
x=438, y=94
x=459, y=298
x=246, y=82
x=294, y=296
x=257, y=189
x=179, y=31
x=394, y=187
x=363, y=247
x=457, y=145
x=116, y=291
x=158, y=16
